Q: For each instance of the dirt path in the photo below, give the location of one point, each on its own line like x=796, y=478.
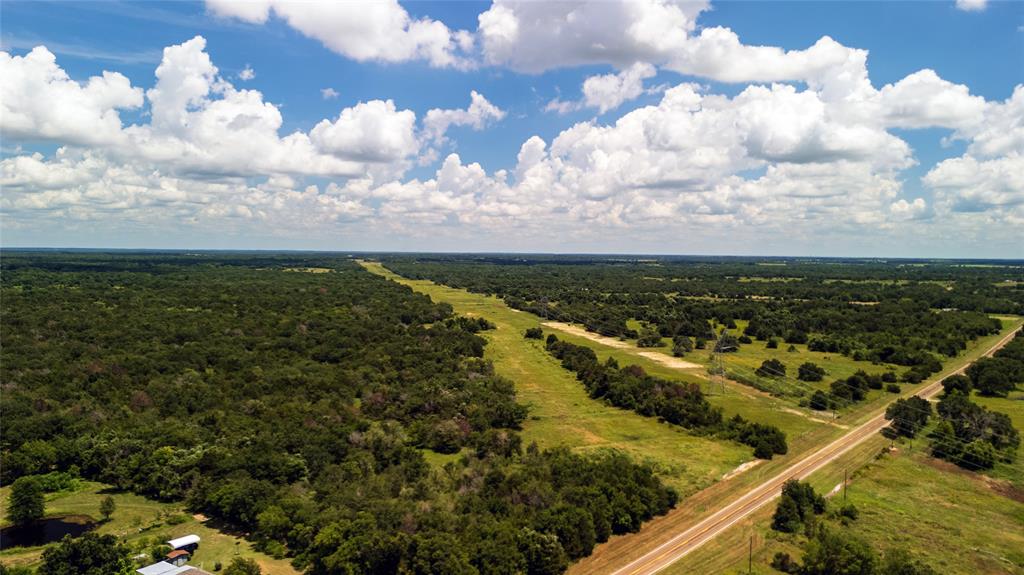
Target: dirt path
x=668, y=361
x=703, y=531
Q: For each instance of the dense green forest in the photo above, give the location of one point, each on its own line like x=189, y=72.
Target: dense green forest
x=295, y=406
x=909, y=313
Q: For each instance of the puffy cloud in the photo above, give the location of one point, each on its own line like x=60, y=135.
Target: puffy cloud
x=479, y=113
x=773, y=158
x=329, y=93
x=536, y=36
x=923, y=100
x=609, y=91
x=39, y=101
x=247, y=74
x=374, y=131
x=198, y=122
x=904, y=210
x=1002, y=131
x=365, y=31
x=966, y=184
x=971, y=5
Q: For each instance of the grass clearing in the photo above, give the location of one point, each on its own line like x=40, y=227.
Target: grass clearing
x=952, y=519
x=561, y=412
x=143, y=523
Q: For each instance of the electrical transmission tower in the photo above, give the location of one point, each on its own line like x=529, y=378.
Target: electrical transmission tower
x=716, y=372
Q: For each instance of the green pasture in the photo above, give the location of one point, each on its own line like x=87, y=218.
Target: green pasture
x=142, y=524
x=561, y=412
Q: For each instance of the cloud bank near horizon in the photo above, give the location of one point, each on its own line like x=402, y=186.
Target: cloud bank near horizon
x=806, y=148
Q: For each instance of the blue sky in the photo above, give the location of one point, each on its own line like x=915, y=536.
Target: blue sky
x=981, y=49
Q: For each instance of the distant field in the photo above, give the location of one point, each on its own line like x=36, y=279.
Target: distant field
x=561, y=413
x=143, y=523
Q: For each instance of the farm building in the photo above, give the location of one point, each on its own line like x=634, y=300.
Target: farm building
x=178, y=557
x=188, y=543
x=165, y=568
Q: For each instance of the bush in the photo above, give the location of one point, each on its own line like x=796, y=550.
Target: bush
x=783, y=562
x=771, y=368
x=773, y=343
x=810, y=372
x=849, y=511
x=534, y=333
x=819, y=401
x=242, y=566
x=892, y=387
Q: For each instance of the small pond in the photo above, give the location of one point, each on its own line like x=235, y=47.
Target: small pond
x=45, y=531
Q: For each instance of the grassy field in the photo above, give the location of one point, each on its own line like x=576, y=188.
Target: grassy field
x=561, y=413
x=954, y=520
x=143, y=523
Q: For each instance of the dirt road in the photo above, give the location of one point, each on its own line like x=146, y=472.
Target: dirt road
x=661, y=358
x=760, y=495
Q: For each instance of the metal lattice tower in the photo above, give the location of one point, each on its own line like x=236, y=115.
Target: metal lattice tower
x=716, y=374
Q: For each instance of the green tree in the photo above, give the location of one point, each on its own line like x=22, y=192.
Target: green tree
x=810, y=372
x=787, y=516
x=838, y=553
x=242, y=566
x=26, y=501
x=977, y=455
x=909, y=415
x=107, y=507
x=89, y=554
x=544, y=554
x=440, y=553
x=771, y=368
x=900, y=562
x=957, y=382
x=819, y=401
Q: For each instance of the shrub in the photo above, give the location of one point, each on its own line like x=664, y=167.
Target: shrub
x=819, y=401
x=892, y=387
x=810, y=372
x=783, y=562
x=771, y=368
x=534, y=333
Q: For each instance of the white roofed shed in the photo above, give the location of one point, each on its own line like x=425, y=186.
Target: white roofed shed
x=184, y=541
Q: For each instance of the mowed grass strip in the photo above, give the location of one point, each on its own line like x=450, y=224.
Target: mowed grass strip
x=141, y=522
x=561, y=412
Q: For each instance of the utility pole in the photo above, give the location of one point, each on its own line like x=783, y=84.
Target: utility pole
x=750, y=556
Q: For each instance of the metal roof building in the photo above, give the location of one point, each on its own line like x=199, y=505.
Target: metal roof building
x=184, y=541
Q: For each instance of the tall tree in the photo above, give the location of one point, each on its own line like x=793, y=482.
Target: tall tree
x=89, y=554
x=26, y=503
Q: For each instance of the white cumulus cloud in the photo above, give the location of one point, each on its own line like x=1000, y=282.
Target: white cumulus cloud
x=479, y=114
x=380, y=31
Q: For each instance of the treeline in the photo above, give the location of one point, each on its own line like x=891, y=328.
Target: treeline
x=967, y=434
x=296, y=407
x=677, y=403
x=971, y=435
x=870, y=311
